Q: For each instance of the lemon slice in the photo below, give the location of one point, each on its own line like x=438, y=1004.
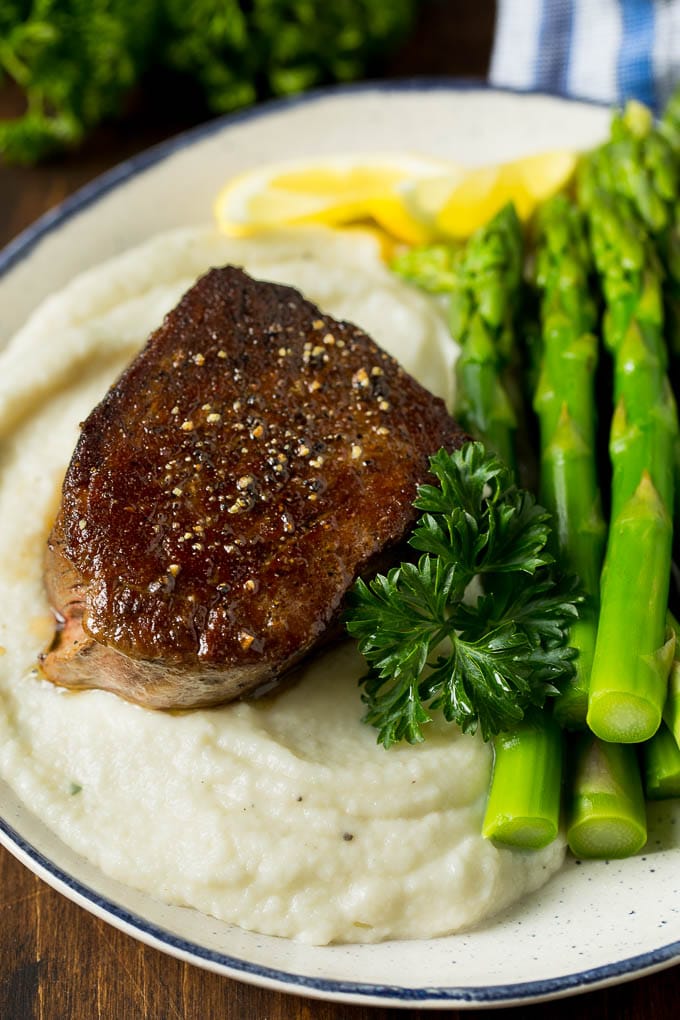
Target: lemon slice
x=411, y=199
x=334, y=191
x=476, y=197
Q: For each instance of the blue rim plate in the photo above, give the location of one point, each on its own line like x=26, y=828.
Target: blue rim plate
x=91, y=225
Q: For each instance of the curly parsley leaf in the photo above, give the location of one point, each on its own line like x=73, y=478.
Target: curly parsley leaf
x=541, y=608
x=478, y=519
x=484, y=682
x=484, y=662
x=469, y=479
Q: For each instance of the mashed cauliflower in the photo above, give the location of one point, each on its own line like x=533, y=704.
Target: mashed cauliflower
x=280, y=815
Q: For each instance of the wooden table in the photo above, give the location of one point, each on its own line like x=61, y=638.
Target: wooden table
x=58, y=962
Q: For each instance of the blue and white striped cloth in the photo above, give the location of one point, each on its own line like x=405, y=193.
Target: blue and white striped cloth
x=606, y=50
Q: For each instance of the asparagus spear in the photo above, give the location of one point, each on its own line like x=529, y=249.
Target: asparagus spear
x=669, y=128
x=483, y=282
x=606, y=811
x=630, y=665
x=524, y=795
x=662, y=765
x=671, y=712
x=433, y=267
x=605, y=806
x=670, y=121
x=662, y=752
x=483, y=307
x=642, y=163
x=523, y=806
x=565, y=404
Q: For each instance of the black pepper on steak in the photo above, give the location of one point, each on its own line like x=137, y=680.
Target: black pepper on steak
x=252, y=461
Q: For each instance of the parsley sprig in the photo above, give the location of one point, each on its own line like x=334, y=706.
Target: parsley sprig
x=483, y=660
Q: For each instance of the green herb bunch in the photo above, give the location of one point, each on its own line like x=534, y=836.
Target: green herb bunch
x=77, y=60
x=482, y=660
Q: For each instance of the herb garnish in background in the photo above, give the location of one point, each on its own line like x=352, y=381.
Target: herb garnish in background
x=76, y=62
x=483, y=660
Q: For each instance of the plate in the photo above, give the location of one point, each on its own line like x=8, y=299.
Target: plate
x=592, y=924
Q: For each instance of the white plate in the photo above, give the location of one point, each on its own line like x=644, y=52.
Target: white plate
x=591, y=925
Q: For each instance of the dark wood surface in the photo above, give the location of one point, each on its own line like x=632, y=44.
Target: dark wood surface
x=56, y=960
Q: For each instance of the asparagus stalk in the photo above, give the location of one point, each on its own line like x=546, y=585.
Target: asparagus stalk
x=605, y=805
x=523, y=807
x=662, y=752
x=662, y=765
x=642, y=164
x=483, y=307
x=644, y=167
x=434, y=267
x=606, y=817
x=631, y=665
x=669, y=129
x=482, y=281
x=671, y=712
x=483, y=406
x=606, y=810
x=670, y=121
x=565, y=404
x=631, y=662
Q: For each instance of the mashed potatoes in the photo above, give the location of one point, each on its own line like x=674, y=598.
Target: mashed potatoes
x=281, y=815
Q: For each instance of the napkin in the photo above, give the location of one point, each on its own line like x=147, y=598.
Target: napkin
x=605, y=50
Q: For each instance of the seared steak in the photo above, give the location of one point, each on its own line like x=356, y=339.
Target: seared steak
x=251, y=462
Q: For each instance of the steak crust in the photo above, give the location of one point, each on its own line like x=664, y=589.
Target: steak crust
x=254, y=459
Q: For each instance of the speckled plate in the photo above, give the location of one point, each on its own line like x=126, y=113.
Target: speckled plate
x=592, y=924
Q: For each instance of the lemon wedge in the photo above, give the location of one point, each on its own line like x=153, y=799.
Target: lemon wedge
x=476, y=197
x=334, y=191
x=411, y=199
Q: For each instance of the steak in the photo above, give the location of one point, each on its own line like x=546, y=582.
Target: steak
x=254, y=459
